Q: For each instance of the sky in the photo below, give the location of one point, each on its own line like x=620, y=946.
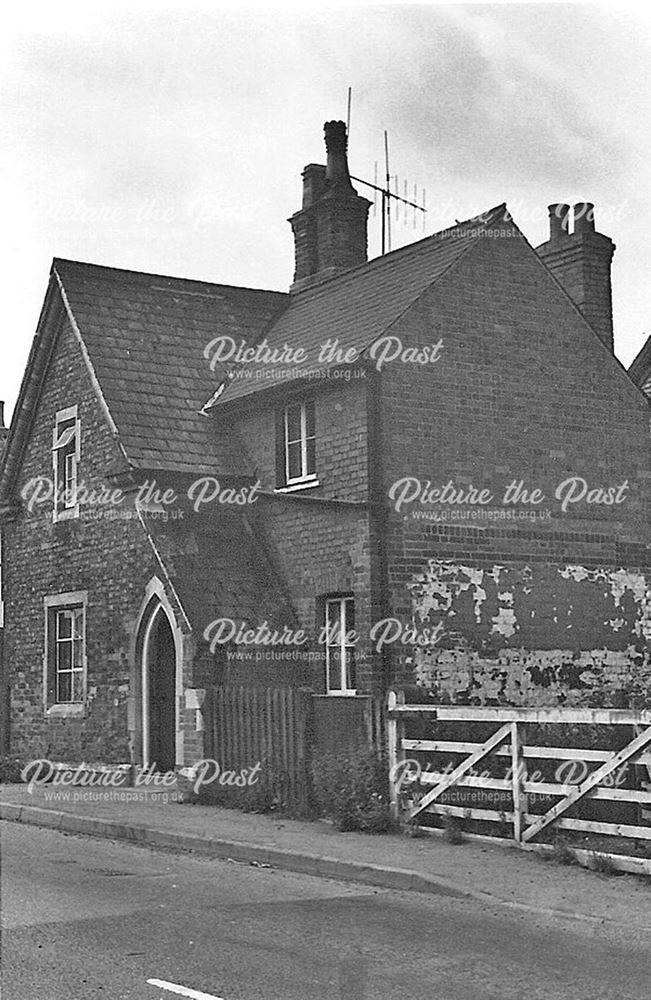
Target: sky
x=170, y=137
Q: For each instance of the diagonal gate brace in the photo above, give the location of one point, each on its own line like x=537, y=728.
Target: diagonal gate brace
x=502, y=734
x=630, y=750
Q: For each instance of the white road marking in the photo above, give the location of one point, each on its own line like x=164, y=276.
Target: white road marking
x=182, y=991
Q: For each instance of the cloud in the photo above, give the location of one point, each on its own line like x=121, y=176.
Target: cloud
x=171, y=137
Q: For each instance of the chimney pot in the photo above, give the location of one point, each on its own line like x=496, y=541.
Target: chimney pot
x=559, y=217
x=584, y=217
x=336, y=140
x=581, y=263
x=313, y=183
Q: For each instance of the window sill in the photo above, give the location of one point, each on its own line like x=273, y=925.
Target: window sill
x=65, y=514
x=305, y=484
x=70, y=711
x=341, y=694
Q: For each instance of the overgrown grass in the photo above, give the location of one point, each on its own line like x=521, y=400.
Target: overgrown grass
x=603, y=864
x=453, y=827
x=10, y=770
x=561, y=852
x=352, y=789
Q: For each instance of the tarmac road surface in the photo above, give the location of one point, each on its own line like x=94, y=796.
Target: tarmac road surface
x=85, y=918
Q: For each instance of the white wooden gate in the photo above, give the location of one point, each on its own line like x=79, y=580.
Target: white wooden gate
x=418, y=789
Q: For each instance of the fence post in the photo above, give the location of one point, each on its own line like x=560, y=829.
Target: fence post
x=208, y=712
x=395, y=732
x=518, y=778
x=304, y=739
x=374, y=725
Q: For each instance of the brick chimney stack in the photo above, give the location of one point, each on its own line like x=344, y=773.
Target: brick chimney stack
x=581, y=262
x=330, y=229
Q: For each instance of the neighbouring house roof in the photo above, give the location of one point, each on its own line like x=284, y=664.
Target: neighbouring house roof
x=640, y=368
x=359, y=306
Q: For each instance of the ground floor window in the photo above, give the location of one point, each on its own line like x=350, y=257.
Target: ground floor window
x=65, y=651
x=340, y=645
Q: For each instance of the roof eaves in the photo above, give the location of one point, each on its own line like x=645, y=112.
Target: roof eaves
x=641, y=363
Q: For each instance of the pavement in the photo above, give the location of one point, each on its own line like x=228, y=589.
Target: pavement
x=482, y=871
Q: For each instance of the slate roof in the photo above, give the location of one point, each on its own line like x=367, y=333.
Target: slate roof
x=218, y=570
x=359, y=305
x=640, y=369
x=145, y=335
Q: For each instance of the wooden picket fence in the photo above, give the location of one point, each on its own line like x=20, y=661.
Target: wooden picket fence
x=247, y=725
x=285, y=729
x=532, y=782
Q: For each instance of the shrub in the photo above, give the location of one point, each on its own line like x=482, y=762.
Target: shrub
x=270, y=793
x=10, y=770
x=603, y=864
x=352, y=788
x=453, y=827
x=562, y=853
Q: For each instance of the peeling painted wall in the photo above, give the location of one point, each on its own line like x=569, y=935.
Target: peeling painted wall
x=552, y=609
x=541, y=635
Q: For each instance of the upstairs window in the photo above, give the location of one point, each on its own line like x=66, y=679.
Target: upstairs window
x=66, y=453
x=340, y=645
x=296, y=446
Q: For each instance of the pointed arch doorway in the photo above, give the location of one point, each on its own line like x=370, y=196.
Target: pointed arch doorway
x=159, y=723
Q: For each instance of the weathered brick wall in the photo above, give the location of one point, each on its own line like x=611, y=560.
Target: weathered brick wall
x=530, y=610
x=110, y=559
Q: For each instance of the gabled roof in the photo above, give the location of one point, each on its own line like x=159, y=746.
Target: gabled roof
x=218, y=570
x=145, y=335
x=357, y=307
x=640, y=368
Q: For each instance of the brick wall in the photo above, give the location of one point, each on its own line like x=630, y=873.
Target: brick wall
x=321, y=548
x=340, y=426
x=544, y=610
x=110, y=559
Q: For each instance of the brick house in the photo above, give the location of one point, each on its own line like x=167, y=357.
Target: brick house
x=427, y=469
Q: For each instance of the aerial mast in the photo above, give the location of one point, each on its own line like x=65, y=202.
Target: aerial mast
x=388, y=197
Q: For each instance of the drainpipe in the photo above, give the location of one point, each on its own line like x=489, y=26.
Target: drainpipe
x=378, y=509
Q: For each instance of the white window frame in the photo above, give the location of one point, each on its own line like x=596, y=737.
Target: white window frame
x=66, y=484
x=305, y=476
x=341, y=602
x=53, y=605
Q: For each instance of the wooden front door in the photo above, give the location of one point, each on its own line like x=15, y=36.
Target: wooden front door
x=161, y=677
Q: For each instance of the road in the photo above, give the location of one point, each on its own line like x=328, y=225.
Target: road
x=86, y=918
